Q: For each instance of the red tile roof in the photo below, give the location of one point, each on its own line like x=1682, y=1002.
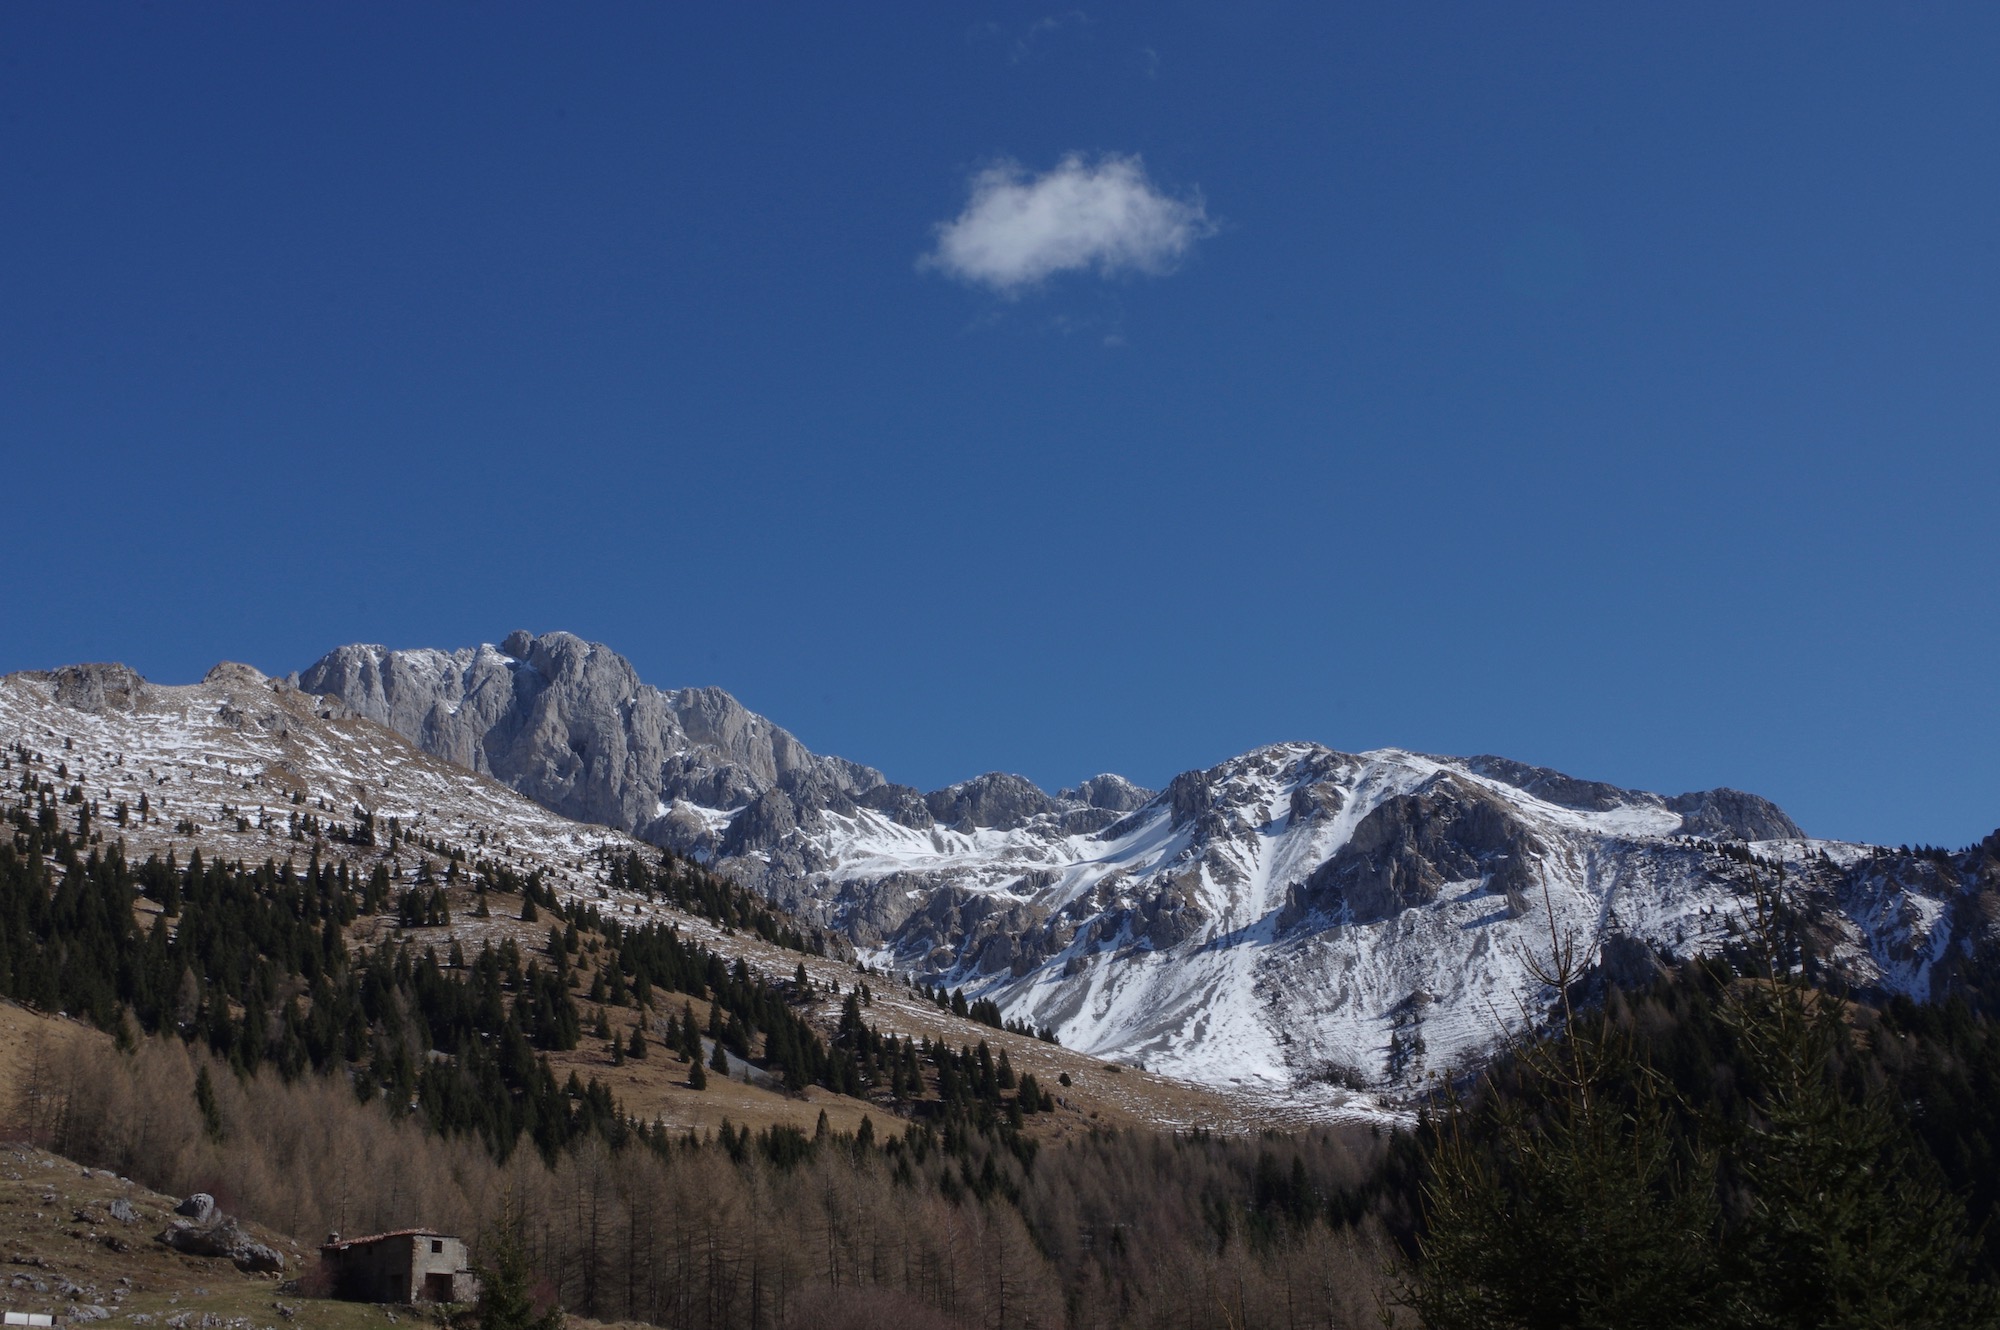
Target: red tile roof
x=345, y=1243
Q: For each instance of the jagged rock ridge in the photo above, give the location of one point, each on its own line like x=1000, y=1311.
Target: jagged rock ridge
x=1294, y=913
x=569, y=724
x=249, y=769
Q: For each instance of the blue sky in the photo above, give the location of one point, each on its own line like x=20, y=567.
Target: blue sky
x=1610, y=387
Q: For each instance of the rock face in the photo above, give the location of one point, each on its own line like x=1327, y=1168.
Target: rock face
x=94, y=688
x=1403, y=853
x=568, y=723
x=97, y=687
x=1286, y=912
x=995, y=800
x=1110, y=792
x=1733, y=815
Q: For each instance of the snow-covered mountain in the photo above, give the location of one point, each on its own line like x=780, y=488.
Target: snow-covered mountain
x=568, y=723
x=247, y=768
x=1292, y=916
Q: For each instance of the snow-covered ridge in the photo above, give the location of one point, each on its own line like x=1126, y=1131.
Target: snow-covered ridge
x=232, y=765
x=1291, y=917
x=1205, y=936
x=249, y=769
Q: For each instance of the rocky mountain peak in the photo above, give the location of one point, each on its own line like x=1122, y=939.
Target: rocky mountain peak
x=566, y=659
x=1551, y=786
x=234, y=671
x=1718, y=814
x=1108, y=791
x=97, y=688
x=1726, y=814
x=995, y=800
x=569, y=723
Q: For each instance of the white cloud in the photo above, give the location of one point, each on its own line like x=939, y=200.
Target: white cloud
x=1018, y=229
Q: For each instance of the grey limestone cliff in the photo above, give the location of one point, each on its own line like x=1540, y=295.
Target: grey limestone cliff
x=569, y=724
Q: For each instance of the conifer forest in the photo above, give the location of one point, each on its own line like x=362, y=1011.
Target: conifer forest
x=1725, y=1145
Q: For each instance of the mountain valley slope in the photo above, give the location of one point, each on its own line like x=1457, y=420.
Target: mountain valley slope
x=250, y=770
x=1287, y=920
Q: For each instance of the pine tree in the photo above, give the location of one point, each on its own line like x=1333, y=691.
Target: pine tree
x=1600, y=1185
x=206, y=1103
x=1844, y=1227
x=504, y=1301
x=690, y=1035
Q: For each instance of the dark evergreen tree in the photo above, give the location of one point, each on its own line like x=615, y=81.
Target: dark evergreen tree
x=1846, y=1226
x=206, y=1103
x=504, y=1273
x=1567, y=1172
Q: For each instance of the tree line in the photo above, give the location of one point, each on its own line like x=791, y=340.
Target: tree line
x=937, y=1223
x=1730, y=1147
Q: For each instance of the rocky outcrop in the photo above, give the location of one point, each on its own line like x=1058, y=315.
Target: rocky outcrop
x=98, y=688
x=1317, y=803
x=903, y=803
x=1411, y=845
x=995, y=800
x=975, y=932
x=1719, y=814
x=1087, y=821
x=205, y=1231
x=1188, y=796
x=234, y=672
x=199, y=1207
x=569, y=724
x=1107, y=791
x=1551, y=786
x=764, y=825
x=1726, y=814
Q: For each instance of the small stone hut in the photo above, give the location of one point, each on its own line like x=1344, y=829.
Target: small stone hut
x=409, y=1265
